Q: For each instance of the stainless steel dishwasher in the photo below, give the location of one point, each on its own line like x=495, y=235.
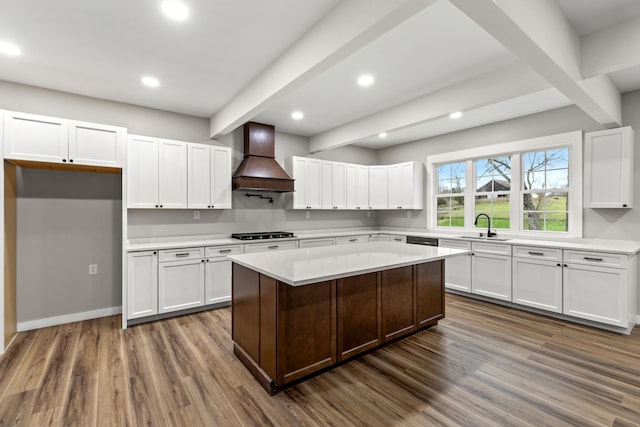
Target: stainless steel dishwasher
x=425, y=241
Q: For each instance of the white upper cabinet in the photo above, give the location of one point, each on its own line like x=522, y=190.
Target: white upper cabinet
x=378, y=187
x=357, y=186
x=157, y=173
x=172, y=172
x=307, y=174
x=333, y=185
x=96, y=145
x=608, y=168
x=209, y=177
x=53, y=140
x=405, y=186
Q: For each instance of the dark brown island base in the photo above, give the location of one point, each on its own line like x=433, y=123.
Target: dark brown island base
x=283, y=333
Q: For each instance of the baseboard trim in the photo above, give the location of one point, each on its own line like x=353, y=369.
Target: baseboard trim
x=67, y=318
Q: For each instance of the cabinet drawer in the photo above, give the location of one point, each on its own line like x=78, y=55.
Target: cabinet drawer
x=275, y=246
x=222, y=251
x=352, y=239
x=398, y=239
x=180, y=254
x=491, y=248
x=602, y=259
x=537, y=253
x=316, y=243
x=454, y=244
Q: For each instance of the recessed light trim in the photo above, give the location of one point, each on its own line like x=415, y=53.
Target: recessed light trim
x=382, y=135
x=297, y=115
x=175, y=10
x=366, y=80
x=455, y=115
x=9, y=49
x=150, y=81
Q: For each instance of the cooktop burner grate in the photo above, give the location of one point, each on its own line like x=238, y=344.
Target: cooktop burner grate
x=263, y=235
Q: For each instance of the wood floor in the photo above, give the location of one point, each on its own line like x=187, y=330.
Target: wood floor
x=482, y=365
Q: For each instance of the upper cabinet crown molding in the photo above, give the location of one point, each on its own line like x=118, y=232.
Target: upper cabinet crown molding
x=38, y=138
x=608, y=168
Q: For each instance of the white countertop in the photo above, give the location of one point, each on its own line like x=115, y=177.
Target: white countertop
x=298, y=267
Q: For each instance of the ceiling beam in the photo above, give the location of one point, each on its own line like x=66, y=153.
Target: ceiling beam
x=539, y=34
x=612, y=49
x=351, y=25
x=505, y=83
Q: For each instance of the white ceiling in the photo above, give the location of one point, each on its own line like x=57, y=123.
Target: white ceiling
x=239, y=60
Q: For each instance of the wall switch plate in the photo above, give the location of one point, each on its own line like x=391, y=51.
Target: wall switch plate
x=196, y=214
x=307, y=214
x=93, y=269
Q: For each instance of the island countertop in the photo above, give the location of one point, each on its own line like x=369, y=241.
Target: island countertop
x=298, y=267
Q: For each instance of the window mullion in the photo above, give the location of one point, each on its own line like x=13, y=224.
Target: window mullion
x=469, y=195
x=515, y=199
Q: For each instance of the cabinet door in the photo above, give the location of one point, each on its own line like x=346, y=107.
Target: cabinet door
x=358, y=318
x=398, y=308
x=36, y=138
x=220, y=177
x=429, y=293
x=491, y=275
x=362, y=187
x=314, y=182
x=180, y=285
x=378, y=187
x=142, y=284
x=142, y=173
x=299, y=174
x=339, y=185
x=394, y=186
x=412, y=186
x=457, y=272
x=608, y=168
x=198, y=176
x=217, y=286
x=351, y=185
x=172, y=172
x=596, y=293
x=96, y=145
x=538, y=283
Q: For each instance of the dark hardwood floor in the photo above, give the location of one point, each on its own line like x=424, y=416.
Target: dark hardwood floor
x=482, y=365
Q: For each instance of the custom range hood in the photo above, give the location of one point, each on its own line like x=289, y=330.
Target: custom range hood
x=259, y=169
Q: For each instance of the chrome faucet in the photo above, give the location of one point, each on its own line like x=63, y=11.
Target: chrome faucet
x=489, y=233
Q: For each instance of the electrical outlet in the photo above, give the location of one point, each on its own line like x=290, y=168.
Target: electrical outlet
x=93, y=269
x=408, y=214
x=307, y=214
x=196, y=214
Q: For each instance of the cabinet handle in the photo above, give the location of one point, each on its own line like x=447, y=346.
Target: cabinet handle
x=397, y=239
x=559, y=265
x=624, y=206
x=182, y=255
x=565, y=265
x=157, y=206
x=273, y=247
x=224, y=251
x=64, y=160
x=353, y=240
x=536, y=253
x=155, y=253
x=593, y=259
x=160, y=205
x=207, y=260
x=70, y=160
x=202, y=260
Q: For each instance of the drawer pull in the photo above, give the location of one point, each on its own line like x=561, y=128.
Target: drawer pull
x=353, y=240
x=397, y=239
x=182, y=255
x=593, y=259
x=224, y=251
x=273, y=247
x=536, y=253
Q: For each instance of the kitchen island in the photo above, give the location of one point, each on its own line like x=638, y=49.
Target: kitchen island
x=297, y=312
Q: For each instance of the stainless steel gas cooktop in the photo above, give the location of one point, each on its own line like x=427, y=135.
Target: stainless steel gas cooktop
x=262, y=235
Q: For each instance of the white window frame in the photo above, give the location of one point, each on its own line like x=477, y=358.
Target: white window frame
x=571, y=140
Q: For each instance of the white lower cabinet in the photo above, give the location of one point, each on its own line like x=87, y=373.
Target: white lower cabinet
x=316, y=243
x=491, y=270
x=217, y=286
x=457, y=272
x=142, y=284
x=599, y=287
x=363, y=238
x=180, y=283
x=274, y=246
x=537, y=278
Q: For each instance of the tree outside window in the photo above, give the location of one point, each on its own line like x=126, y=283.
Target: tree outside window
x=450, y=197
x=493, y=190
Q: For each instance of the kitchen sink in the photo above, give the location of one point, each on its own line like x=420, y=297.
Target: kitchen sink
x=497, y=239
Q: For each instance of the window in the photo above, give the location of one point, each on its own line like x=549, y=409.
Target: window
x=451, y=187
x=524, y=187
x=545, y=190
x=493, y=190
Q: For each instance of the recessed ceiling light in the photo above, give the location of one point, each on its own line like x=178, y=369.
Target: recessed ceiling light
x=365, y=80
x=382, y=135
x=9, y=49
x=455, y=115
x=297, y=115
x=175, y=10
x=150, y=81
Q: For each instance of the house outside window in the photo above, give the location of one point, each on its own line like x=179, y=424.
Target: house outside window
x=493, y=190
x=451, y=188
